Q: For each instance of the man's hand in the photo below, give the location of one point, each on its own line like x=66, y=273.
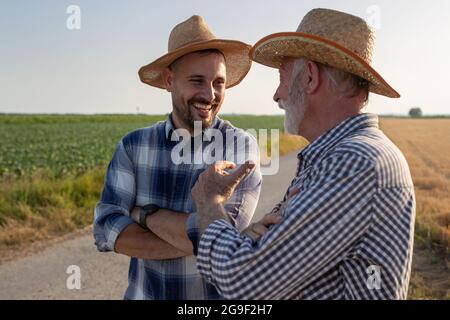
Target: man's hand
x=256, y=230
x=215, y=185
x=213, y=188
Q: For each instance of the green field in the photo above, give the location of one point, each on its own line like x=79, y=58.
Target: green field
x=65, y=144
x=52, y=168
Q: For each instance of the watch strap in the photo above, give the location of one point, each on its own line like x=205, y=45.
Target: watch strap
x=145, y=212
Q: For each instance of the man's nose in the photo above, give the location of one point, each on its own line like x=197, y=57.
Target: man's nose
x=209, y=93
x=276, y=96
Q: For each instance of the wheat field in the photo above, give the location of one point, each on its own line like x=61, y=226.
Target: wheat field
x=426, y=146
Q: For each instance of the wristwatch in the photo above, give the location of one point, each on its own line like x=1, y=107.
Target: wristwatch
x=145, y=211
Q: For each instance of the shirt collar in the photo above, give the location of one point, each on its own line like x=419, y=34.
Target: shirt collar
x=317, y=148
x=170, y=128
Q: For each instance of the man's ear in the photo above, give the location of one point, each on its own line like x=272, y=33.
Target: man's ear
x=167, y=76
x=313, y=74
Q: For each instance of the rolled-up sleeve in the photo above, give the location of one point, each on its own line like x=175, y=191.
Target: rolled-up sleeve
x=111, y=214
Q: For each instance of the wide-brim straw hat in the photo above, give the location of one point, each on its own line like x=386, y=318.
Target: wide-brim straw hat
x=330, y=37
x=194, y=35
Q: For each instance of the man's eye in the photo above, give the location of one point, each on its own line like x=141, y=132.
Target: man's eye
x=196, y=81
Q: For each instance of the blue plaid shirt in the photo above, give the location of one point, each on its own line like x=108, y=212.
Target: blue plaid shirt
x=348, y=233
x=142, y=172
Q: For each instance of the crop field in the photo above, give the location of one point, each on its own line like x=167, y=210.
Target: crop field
x=426, y=145
x=52, y=168
x=64, y=144
x=61, y=144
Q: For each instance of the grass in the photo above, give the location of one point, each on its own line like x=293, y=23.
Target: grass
x=42, y=206
x=430, y=272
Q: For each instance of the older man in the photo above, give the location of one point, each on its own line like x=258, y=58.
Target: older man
x=347, y=222
x=151, y=173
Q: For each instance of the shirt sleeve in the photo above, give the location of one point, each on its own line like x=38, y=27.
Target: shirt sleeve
x=111, y=214
x=320, y=223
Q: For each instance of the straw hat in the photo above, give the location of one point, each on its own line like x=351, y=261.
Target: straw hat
x=194, y=35
x=330, y=37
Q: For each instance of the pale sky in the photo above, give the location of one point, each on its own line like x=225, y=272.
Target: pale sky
x=47, y=68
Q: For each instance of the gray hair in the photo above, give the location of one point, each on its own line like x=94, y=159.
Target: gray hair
x=343, y=83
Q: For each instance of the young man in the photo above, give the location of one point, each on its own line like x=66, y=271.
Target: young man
x=347, y=221
x=146, y=202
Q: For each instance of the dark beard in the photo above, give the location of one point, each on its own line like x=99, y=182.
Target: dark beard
x=188, y=116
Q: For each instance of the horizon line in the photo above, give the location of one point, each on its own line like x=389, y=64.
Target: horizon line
x=165, y=114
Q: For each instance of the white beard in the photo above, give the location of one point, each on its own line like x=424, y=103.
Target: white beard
x=295, y=106
x=294, y=112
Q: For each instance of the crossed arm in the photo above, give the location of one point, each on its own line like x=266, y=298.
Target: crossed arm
x=135, y=241
x=165, y=237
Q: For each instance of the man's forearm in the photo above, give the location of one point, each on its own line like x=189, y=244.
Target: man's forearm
x=137, y=242
x=171, y=227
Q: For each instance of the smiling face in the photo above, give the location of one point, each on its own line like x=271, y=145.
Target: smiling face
x=197, y=84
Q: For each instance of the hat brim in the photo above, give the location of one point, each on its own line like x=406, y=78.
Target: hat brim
x=271, y=50
x=236, y=54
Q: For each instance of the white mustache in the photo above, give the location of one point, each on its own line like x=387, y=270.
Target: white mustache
x=282, y=104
